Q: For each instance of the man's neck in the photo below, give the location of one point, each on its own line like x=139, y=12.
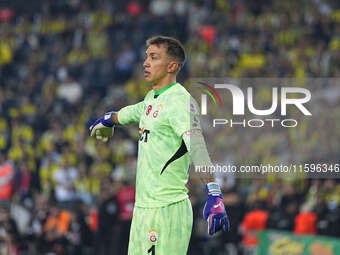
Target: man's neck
x=163, y=83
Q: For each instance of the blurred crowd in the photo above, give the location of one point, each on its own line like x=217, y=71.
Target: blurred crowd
x=65, y=63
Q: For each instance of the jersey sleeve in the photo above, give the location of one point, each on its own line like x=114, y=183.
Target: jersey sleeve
x=184, y=114
x=130, y=114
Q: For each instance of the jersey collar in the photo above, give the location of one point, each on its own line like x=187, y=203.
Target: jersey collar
x=158, y=92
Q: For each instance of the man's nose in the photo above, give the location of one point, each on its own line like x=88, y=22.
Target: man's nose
x=146, y=64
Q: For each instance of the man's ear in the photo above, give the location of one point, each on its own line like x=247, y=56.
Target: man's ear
x=173, y=66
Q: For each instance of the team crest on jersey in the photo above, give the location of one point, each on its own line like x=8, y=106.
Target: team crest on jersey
x=152, y=236
x=158, y=109
x=148, y=110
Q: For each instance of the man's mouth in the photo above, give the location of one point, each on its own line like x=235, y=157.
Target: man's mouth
x=146, y=73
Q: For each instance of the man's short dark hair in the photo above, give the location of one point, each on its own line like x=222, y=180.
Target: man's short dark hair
x=174, y=47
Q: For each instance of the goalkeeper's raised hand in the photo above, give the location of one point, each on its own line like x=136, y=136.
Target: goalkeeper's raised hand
x=102, y=129
x=214, y=211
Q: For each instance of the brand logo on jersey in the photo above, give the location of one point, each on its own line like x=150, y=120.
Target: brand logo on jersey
x=148, y=110
x=143, y=134
x=153, y=236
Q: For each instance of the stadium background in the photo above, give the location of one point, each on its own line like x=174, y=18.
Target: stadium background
x=64, y=63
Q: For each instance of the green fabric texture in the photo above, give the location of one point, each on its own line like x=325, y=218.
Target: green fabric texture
x=161, y=231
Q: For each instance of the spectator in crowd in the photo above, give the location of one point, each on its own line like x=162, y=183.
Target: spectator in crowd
x=126, y=201
x=6, y=180
x=236, y=210
x=108, y=213
x=70, y=91
x=65, y=178
x=9, y=234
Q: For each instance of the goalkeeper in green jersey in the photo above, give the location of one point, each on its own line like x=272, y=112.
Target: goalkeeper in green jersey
x=169, y=138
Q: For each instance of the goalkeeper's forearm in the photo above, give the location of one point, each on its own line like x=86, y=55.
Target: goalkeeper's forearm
x=199, y=155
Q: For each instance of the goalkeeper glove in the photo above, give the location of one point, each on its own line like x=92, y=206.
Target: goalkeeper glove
x=103, y=128
x=214, y=211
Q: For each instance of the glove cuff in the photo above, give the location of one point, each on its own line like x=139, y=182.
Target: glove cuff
x=213, y=189
x=107, y=120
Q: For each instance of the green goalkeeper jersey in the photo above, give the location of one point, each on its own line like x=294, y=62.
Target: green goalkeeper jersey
x=163, y=162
